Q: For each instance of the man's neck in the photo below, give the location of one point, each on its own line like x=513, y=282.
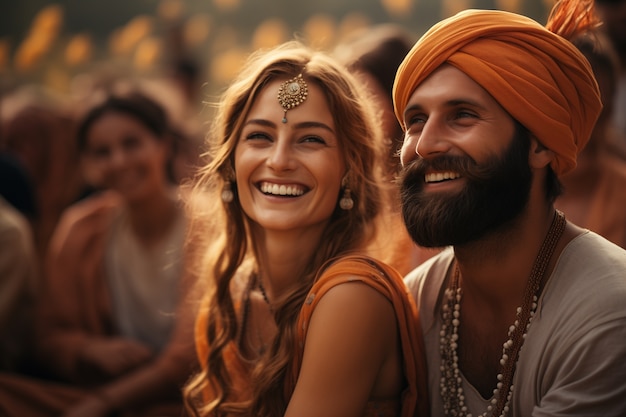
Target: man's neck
x=497, y=283
x=495, y=269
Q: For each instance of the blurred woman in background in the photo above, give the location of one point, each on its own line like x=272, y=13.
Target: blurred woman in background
x=113, y=334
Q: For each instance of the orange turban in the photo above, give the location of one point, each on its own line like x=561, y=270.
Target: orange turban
x=537, y=76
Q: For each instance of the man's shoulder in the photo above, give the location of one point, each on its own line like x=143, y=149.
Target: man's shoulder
x=432, y=272
x=431, y=265
x=590, y=251
x=590, y=264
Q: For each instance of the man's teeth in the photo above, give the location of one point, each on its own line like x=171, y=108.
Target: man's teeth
x=281, y=189
x=441, y=176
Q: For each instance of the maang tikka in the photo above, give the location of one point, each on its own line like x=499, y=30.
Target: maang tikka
x=292, y=93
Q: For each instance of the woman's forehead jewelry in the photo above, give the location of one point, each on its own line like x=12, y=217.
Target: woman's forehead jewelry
x=292, y=93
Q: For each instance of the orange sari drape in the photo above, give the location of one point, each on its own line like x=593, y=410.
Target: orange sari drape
x=388, y=282
x=383, y=278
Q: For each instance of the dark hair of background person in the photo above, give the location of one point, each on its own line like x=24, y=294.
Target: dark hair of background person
x=381, y=58
x=150, y=113
x=16, y=187
x=378, y=53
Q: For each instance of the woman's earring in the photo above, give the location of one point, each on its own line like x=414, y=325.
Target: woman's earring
x=227, y=192
x=346, y=202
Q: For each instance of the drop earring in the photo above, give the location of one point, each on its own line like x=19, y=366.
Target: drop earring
x=227, y=192
x=346, y=202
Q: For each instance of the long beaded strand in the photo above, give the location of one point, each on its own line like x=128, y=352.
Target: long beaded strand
x=450, y=385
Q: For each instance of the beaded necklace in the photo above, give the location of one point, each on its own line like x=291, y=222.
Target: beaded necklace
x=450, y=385
x=254, y=281
x=264, y=294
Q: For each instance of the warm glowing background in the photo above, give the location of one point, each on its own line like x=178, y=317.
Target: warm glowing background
x=53, y=44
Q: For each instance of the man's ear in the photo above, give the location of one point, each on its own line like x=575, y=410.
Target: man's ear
x=539, y=156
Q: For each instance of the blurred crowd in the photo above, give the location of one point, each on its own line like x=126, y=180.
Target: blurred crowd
x=75, y=169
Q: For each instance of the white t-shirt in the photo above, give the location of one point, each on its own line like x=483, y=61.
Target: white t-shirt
x=573, y=362
x=145, y=282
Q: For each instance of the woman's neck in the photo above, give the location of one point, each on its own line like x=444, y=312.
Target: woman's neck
x=283, y=258
x=153, y=217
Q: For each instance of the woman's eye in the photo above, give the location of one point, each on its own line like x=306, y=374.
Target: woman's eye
x=257, y=135
x=131, y=142
x=100, y=153
x=313, y=139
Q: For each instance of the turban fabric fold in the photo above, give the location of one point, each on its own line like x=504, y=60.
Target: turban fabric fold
x=537, y=76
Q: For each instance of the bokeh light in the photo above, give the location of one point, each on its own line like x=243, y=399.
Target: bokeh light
x=351, y=23
x=270, y=32
x=227, y=5
x=452, y=7
x=319, y=31
x=124, y=40
x=197, y=29
x=227, y=64
x=147, y=53
x=171, y=9
x=398, y=7
x=203, y=37
x=78, y=50
x=43, y=33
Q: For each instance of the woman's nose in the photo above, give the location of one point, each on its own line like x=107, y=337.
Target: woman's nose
x=117, y=158
x=281, y=156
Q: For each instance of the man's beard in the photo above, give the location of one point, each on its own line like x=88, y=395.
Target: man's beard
x=495, y=193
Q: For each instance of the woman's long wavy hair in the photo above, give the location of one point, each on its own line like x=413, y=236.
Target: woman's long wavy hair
x=229, y=246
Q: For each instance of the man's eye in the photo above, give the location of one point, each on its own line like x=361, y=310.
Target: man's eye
x=417, y=119
x=462, y=114
x=416, y=122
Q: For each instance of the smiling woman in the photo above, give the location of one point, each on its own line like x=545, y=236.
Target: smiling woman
x=124, y=147
x=298, y=320
x=301, y=155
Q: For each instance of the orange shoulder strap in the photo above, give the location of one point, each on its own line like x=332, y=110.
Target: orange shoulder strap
x=388, y=282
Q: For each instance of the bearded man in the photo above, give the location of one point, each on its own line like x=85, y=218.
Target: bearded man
x=524, y=313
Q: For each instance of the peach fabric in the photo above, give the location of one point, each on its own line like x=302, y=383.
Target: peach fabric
x=537, y=76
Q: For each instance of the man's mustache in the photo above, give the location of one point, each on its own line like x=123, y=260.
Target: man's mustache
x=465, y=166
